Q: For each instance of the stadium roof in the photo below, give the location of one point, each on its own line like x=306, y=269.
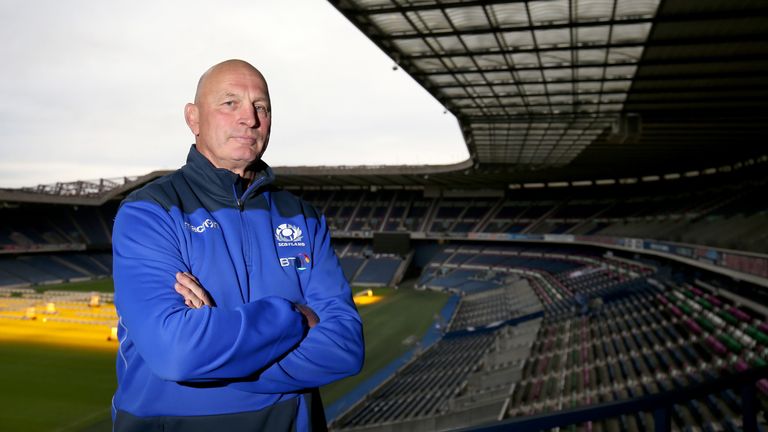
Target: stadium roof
x=557, y=92
x=569, y=89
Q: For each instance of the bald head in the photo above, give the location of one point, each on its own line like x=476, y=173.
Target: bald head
x=217, y=69
x=231, y=116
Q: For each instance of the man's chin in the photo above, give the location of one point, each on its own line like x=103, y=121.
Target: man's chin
x=247, y=157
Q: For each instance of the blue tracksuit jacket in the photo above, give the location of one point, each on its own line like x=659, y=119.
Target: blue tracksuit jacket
x=257, y=252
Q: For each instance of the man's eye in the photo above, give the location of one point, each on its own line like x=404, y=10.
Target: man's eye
x=229, y=103
x=260, y=109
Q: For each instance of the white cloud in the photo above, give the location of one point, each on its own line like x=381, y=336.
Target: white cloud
x=19, y=174
x=93, y=87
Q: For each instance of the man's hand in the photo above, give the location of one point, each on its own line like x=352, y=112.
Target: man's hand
x=194, y=294
x=309, y=314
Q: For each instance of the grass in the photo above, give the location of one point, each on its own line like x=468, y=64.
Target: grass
x=50, y=387
x=100, y=285
x=54, y=388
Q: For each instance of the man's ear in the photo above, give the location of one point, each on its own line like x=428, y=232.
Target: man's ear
x=192, y=116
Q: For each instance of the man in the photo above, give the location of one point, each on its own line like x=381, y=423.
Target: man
x=232, y=306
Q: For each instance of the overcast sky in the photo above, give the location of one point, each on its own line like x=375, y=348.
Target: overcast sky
x=92, y=89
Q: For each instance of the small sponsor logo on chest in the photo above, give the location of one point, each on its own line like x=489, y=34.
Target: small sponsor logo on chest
x=207, y=224
x=300, y=261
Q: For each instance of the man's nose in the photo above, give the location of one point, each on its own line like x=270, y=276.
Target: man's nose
x=249, y=117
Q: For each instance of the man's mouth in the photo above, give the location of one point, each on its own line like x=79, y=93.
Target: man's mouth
x=246, y=139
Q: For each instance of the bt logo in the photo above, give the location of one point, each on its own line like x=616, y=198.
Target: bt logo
x=300, y=261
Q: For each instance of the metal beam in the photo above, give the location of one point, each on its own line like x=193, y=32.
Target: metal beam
x=746, y=39
x=750, y=58
x=379, y=10
x=665, y=78
x=718, y=16
x=647, y=91
x=524, y=68
x=510, y=29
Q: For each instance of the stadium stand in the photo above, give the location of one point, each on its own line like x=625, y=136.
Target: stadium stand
x=49, y=268
x=378, y=271
x=351, y=265
x=548, y=317
x=29, y=227
x=11, y=280
x=22, y=269
x=70, y=306
x=53, y=265
x=364, y=268
x=714, y=216
x=592, y=263
x=564, y=331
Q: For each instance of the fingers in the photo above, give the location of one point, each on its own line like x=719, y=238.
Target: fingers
x=190, y=299
x=309, y=314
x=189, y=287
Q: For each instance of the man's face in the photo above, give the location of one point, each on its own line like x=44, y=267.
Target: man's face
x=231, y=118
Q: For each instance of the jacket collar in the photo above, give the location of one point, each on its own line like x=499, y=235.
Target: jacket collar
x=221, y=183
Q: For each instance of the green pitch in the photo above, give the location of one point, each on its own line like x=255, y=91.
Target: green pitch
x=100, y=285
x=49, y=388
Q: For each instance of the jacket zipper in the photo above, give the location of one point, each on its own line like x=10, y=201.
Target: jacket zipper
x=240, y=202
x=255, y=185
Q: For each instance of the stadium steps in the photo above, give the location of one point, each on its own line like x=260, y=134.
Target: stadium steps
x=377, y=271
x=430, y=215
x=400, y=272
x=24, y=271
x=324, y=207
x=388, y=213
x=535, y=224
x=354, y=212
x=80, y=230
x=72, y=266
x=483, y=223
x=587, y=224
x=87, y=262
x=47, y=263
x=104, y=260
x=351, y=266
x=9, y=280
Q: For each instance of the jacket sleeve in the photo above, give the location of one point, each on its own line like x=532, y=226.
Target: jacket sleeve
x=334, y=348
x=176, y=342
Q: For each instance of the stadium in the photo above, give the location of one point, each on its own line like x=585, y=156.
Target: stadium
x=600, y=262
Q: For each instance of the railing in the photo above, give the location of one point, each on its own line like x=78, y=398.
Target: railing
x=81, y=187
x=14, y=249
x=660, y=404
x=82, y=192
